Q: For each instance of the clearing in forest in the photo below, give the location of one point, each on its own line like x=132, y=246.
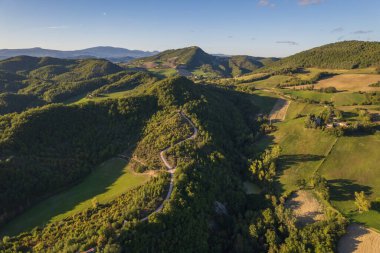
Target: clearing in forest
x=108, y=181
x=305, y=207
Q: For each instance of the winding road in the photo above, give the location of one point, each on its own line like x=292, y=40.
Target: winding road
x=170, y=168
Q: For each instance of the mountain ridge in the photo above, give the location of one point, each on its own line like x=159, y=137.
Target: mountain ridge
x=115, y=54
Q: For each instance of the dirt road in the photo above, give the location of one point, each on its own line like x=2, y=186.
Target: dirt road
x=171, y=168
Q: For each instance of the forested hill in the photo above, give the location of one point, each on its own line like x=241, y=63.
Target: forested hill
x=194, y=58
x=208, y=210
x=64, y=152
x=34, y=81
x=340, y=55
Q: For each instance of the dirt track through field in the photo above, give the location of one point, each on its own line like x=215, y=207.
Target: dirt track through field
x=279, y=110
x=359, y=240
x=305, y=207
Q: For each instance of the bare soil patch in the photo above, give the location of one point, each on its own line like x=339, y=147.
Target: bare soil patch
x=305, y=207
x=279, y=110
x=359, y=240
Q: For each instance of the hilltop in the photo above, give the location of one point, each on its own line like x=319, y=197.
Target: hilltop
x=194, y=61
x=114, y=54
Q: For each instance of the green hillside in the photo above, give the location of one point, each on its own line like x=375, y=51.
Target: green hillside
x=190, y=57
x=340, y=55
x=200, y=63
x=58, y=80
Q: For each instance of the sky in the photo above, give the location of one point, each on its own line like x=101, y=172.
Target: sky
x=254, y=27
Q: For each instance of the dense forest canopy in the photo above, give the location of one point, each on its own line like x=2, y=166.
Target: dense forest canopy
x=340, y=55
x=52, y=147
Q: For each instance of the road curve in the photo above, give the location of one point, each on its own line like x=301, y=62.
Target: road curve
x=171, y=168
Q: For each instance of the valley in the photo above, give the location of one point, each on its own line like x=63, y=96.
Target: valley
x=232, y=153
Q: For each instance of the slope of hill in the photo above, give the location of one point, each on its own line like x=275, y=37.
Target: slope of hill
x=195, y=60
x=56, y=80
x=340, y=55
x=243, y=64
x=111, y=53
x=208, y=207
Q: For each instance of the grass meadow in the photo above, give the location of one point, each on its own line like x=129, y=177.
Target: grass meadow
x=109, y=180
x=353, y=165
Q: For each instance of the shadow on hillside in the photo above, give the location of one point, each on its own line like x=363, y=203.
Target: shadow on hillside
x=349, y=242
x=287, y=161
x=344, y=189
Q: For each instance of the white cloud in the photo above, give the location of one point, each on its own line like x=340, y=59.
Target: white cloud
x=57, y=27
x=338, y=30
x=309, y=2
x=289, y=42
x=266, y=3
x=362, y=32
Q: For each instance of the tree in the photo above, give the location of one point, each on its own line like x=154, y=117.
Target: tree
x=95, y=202
x=361, y=202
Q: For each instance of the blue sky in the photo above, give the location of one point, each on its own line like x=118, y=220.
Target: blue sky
x=254, y=27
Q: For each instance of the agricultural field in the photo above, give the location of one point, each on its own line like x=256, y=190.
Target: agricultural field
x=339, y=98
x=370, y=70
x=271, y=82
x=358, y=171
x=348, y=82
x=303, y=150
x=108, y=181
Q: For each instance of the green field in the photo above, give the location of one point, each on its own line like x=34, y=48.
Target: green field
x=296, y=108
x=339, y=99
x=264, y=100
x=106, y=182
x=349, y=163
x=271, y=82
x=303, y=150
x=353, y=165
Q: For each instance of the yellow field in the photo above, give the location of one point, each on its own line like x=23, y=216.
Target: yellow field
x=347, y=82
x=351, y=82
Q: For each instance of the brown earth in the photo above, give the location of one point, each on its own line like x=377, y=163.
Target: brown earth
x=359, y=240
x=305, y=207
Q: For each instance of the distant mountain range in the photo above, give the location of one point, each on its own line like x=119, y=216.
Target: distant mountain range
x=113, y=54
